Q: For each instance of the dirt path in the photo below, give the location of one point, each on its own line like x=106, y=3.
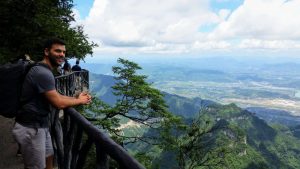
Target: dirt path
x=8, y=147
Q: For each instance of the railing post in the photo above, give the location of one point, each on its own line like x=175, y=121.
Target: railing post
x=68, y=143
x=76, y=146
x=66, y=129
x=101, y=157
x=57, y=137
x=83, y=153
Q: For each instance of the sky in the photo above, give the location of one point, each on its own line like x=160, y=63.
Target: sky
x=191, y=28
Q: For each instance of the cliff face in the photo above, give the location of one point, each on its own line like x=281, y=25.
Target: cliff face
x=8, y=147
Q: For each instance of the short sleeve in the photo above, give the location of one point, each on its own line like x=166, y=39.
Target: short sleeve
x=43, y=79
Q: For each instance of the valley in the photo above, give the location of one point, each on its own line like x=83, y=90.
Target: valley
x=241, y=93
x=247, y=82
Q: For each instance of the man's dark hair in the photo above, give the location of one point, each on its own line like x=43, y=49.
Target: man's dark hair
x=77, y=62
x=48, y=44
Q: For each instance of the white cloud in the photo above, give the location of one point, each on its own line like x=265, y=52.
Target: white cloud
x=262, y=19
x=211, y=45
x=144, y=23
x=173, y=26
x=224, y=13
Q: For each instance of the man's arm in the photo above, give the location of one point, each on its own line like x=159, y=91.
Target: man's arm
x=60, y=101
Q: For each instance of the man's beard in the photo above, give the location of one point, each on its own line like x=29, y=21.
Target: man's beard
x=53, y=61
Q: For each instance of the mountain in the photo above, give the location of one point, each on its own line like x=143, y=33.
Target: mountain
x=275, y=116
x=184, y=73
x=100, y=85
x=276, y=145
x=185, y=107
x=282, y=68
x=265, y=145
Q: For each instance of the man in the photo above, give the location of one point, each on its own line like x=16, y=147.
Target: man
x=31, y=128
x=67, y=67
x=76, y=67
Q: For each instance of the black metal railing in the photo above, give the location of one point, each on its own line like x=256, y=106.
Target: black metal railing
x=73, y=136
x=72, y=83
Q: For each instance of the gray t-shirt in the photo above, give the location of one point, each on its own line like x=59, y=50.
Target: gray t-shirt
x=35, y=110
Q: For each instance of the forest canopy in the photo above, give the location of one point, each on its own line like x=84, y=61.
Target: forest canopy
x=26, y=24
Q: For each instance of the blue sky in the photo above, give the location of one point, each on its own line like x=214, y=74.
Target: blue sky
x=83, y=6
x=191, y=27
x=217, y=5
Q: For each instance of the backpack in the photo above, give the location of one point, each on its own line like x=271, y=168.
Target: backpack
x=12, y=76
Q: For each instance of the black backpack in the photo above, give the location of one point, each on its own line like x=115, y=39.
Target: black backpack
x=12, y=76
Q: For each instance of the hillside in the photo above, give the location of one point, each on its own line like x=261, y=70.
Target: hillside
x=100, y=85
x=273, y=146
x=275, y=116
x=262, y=146
x=185, y=107
x=265, y=145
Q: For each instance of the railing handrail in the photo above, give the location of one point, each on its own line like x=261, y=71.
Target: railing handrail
x=110, y=147
x=69, y=148
x=70, y=73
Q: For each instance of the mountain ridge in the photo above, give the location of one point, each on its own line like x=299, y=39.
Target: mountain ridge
x=264, y=142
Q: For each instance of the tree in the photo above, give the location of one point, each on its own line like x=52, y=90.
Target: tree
x=137, y=102
x=26, y=24
x=203, y=142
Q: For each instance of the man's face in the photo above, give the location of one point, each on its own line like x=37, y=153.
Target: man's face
x=56, y=54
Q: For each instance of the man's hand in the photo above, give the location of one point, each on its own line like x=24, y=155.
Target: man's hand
x=85, y=98
x=60, y=101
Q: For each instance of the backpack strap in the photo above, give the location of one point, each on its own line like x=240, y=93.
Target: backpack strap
x=31, y=65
